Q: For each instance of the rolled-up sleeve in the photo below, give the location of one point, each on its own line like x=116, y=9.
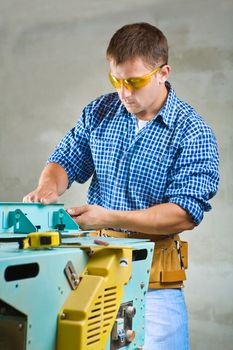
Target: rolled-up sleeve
x=73, y=153
x=194, y=177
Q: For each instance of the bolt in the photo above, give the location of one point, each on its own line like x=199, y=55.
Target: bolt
x=76, y=282
x=20, y=325
x=130, y=311
x=142, y=285
x=63, y=316
x=73, y=276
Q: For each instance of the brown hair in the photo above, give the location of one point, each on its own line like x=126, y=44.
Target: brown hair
x=138, y=40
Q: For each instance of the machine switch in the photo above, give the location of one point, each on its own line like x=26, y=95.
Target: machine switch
x=130, y=335
x=118, y=332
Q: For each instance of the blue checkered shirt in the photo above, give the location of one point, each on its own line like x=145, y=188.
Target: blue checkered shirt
x=174, y=158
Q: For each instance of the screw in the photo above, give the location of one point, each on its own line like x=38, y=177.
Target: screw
x=63, y=316
x=142, y=285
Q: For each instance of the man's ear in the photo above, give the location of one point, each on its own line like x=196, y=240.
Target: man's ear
x=164, y=73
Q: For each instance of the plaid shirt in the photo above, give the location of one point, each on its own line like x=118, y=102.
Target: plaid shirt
x=174, y=158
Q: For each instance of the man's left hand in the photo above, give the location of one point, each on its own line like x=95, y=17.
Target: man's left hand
x=89, y=216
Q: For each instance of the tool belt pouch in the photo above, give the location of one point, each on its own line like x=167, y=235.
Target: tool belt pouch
x=170, y=260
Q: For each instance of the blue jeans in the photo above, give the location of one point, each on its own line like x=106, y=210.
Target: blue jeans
x=166, y=320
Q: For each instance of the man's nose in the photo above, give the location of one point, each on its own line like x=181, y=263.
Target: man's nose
x=124, y=92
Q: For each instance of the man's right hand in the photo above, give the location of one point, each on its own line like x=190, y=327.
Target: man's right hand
x=52, y=183
x=41, y=195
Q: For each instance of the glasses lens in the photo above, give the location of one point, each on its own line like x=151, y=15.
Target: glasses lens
x=114, y=81
x=138, y=83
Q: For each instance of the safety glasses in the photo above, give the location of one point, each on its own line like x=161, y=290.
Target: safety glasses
x=133, y=83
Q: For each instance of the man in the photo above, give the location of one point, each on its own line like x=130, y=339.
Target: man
x=154, y=166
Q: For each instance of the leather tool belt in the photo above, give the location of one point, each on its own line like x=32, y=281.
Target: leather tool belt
x=170, y=258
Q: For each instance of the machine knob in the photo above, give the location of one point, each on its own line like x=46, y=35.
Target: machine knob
x=130, y=335
x=130, y=311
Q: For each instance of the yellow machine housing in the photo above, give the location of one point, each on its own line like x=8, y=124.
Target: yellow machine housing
x=87, y=317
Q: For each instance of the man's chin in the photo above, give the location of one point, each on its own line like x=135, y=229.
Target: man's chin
x=131, y=108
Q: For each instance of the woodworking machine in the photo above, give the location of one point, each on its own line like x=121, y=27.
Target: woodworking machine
x=66, y=289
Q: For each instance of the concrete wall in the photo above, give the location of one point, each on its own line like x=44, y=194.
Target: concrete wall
x=52, y=63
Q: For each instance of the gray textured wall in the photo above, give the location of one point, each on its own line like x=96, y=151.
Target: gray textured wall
x=52, y=63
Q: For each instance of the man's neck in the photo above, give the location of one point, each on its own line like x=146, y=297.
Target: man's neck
x=151, y=112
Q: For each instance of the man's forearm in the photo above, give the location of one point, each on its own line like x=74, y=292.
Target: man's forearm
x=164, y=218
x=55, y=177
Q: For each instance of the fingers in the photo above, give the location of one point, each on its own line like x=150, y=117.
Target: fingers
x=77, y=211
x=40, y=197
x=29, y=198
x=83, y=223
x=88, y=216
x=80, y=216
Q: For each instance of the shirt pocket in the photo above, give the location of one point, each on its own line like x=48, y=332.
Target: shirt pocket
x=154, y=157
x=104, y=154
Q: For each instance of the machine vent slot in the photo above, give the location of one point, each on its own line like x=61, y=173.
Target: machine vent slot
x=103, y=312
x=140, y=254
x=20, y=272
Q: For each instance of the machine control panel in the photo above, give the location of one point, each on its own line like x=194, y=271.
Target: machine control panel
x=122, y=332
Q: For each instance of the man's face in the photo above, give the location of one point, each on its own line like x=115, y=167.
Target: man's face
x=144, y=101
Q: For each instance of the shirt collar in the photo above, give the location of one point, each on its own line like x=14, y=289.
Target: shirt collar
x=168, y=112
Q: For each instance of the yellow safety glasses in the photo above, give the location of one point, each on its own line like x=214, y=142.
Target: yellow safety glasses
x=133, y=83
